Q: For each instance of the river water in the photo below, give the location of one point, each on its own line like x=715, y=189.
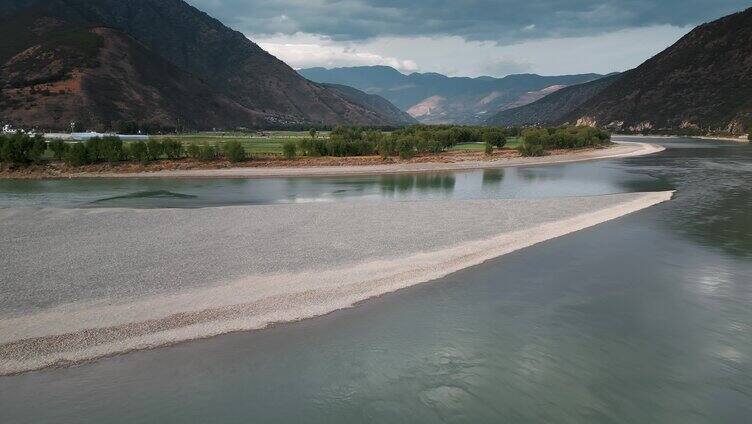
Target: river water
x=647, y=318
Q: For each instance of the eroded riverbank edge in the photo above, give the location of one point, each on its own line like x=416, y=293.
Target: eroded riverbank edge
x=271, y=299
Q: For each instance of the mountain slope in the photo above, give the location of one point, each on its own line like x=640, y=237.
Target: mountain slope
x=374, y=102
x=435, y=98
x=704, y=80
x=554, y=107
x=99, y=77
x=253, y=84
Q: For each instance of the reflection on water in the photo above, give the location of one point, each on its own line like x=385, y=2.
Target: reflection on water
x=493, y=177
x=432, y=184
x=645, y=319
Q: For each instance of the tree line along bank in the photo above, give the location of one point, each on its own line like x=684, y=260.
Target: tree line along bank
x=20, y=149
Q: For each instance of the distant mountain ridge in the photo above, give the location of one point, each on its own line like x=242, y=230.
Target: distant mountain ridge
x=191, y=71
x=552, y=109
x=435, y=98
x=702, y=82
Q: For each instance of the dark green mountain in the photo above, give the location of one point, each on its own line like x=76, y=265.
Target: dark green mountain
x=435, y=98
x=163, y=61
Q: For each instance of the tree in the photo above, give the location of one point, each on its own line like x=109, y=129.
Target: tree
x=495, y=137
x=154, y=149
x=289, y=149
x=112, y=149
x=39, y=146
x=58, y=148
x=312, y=132
x=139, y=150
x=406, y=147
x=94, y=149
x=234, y=151
x=77, y=155
x=173, y=149
x=193, y=150
x=17, y=149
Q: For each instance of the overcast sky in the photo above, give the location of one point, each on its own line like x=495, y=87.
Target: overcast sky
x=468, y=38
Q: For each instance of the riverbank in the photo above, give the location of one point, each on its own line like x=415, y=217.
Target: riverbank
x=330, y=166
x=742, y=139
x=160, y=286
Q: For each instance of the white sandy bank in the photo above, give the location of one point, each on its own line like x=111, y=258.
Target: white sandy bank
x=336, y=265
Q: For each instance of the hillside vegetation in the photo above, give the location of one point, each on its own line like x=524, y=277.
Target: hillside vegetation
x=99, y=63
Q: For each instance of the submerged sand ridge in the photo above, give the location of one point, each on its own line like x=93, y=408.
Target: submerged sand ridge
x=117, y=280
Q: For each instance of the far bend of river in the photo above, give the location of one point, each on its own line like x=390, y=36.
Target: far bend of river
x=644, y=319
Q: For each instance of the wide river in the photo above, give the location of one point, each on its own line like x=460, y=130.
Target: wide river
x=647, y=318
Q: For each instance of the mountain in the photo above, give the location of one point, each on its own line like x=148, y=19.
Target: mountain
x=702, y=81
x=435, y=98
x=159, y=61
x=373, y=102
x=552, y=109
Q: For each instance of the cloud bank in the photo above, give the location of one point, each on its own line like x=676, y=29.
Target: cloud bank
x=501, y=21
x=468, y=38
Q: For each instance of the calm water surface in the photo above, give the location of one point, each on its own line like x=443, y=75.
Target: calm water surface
x=647, y=318
x=591, y=178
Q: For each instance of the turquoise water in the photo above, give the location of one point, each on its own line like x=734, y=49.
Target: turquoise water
x=643, y=319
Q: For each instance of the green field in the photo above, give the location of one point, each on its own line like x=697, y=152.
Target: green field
x=512, y=143
x=270, y=142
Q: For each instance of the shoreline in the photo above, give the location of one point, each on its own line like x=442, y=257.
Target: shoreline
x=619, y=149
x=695, y=137
x=73, y=334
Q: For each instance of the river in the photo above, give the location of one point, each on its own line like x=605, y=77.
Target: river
x=646, y=318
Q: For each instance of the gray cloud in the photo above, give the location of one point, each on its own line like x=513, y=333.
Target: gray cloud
x=502, y=21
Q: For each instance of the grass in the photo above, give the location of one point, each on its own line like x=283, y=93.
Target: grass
x=512, y=143
x=270, y=143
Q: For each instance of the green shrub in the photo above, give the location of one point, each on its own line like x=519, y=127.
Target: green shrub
x=528, y=150
x=111, y=149
x=536, y=136
x=312, y=147
x=335, y=146
x=207, y=152
x=36, y=154
x=94, y=149
x=154, y=149
x=139, y=151
x=406, y=147
x=289, y=149
x=18, y=149
x=3, y=142
x=435, y=146
x=173, y=149
x=193, y=150
x=423, y=145
x=385, y=148
x=77, y=155
x=58, y=147
x=495, y=137
x=489, y=148
x=234, y=151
